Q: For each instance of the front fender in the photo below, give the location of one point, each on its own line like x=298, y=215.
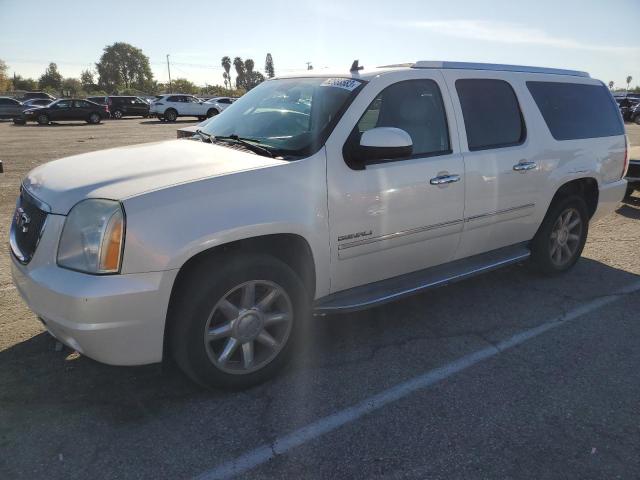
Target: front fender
x=167, y=227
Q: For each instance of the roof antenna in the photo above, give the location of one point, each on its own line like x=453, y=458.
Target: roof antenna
x=355, y=67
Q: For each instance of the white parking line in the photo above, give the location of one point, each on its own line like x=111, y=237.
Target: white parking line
x=332, y=422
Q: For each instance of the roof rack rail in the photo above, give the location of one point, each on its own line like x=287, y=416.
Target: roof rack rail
x=497, y=67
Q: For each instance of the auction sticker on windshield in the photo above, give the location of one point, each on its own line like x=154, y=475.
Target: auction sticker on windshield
x=346, y=83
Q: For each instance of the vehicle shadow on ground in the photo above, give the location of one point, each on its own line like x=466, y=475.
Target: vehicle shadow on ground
x=160, y=122
x=56, y=124
x=630, y=208
x=33, y=372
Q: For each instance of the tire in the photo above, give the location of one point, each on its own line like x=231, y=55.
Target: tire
x=117, y=114
x=212, y=112
x=43, y=119
x=199, y=306
x=558, y=243
x=94, y=118
x=170, y=115
x=19, y=121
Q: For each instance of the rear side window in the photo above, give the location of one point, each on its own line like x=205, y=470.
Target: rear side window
x=491, y=112
x=573, y=111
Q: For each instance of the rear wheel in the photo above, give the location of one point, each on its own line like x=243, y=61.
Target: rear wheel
x=212, y=112
x=560, y=239
x=43, y=119
x=170, y=115
x=234, y=323
x=117, y=114
x=19, y=121
x=94, y=118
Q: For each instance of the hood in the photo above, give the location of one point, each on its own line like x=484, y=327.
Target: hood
x=124, y=172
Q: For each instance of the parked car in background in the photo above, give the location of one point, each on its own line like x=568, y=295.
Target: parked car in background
x=171, y=106
x=30, y=95
x=65, y=109
x=123, y=106
x=9, y=107
x=626, y=106
x=35, y=102
x=634, y=115
x=219, y=103
x=216, y=251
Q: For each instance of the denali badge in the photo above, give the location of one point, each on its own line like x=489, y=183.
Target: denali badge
x=22, y=220
x=351, y=236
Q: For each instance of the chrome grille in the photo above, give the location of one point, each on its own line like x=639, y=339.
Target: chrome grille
x=26, y=227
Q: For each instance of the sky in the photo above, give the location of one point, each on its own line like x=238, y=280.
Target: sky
x=600, y=37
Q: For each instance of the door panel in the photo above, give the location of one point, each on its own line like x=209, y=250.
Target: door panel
x=503, y=181
x=388, y=219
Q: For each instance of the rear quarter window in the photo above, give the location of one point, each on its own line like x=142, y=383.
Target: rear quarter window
x=577, y=111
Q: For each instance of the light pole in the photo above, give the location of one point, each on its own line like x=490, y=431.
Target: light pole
x=169, y=71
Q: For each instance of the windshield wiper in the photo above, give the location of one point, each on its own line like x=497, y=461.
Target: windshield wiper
x=249, y=143
x=206, y=136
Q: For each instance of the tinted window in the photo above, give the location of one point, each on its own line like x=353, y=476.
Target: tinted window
x=175, y=98
x=224, y=100
x=416, y=107
x=81, y=104
x=574, y=111
x=62, y=104
x=492, y=117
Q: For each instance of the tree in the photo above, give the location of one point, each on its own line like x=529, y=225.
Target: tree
x=4, y=76
x=611, y=84
x=51, y=78
x=20, y=83
x=226, y=64
x=268, y=66
x=123, y=66
x=86, y=78
x=629, y=78
x=182, y=85
x=72, y=87
x=240, y=72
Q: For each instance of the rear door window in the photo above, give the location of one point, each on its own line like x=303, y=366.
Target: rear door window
x=492, y=116
x=575, y=111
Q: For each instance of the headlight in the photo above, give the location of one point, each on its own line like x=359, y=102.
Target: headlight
x=93, y=237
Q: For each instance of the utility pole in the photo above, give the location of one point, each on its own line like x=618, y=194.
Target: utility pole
x=309, y=66
x=169, y=71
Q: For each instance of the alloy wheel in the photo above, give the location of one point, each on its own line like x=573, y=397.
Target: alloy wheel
x=248, y=327
x=564, y=240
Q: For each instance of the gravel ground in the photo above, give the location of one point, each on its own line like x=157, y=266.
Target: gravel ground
x=561, y=405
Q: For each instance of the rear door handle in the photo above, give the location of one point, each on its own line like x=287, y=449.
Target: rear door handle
x=525, y=166
x=444, y=179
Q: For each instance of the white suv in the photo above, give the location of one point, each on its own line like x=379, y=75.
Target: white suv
x=170, y=107
x=316, y=193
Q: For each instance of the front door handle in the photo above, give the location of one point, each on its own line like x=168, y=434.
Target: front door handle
x=525, y=166
x=444, y=179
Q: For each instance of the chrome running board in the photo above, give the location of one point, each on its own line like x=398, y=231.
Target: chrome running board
x=384, y=291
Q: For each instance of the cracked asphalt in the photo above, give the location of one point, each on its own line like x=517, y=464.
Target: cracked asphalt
x=565, y=404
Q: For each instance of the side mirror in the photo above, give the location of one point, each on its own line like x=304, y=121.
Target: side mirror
x=384, y=143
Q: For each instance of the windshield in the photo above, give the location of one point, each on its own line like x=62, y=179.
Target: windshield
x=289, y=116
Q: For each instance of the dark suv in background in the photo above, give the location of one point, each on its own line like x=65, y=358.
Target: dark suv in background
x=123, y=106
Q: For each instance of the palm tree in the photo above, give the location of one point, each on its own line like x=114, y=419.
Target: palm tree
x=226, y=64
x=629, y=78
x=240, y=71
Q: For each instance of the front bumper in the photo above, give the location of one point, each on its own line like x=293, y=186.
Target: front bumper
x=114, y=319
x=609, y=197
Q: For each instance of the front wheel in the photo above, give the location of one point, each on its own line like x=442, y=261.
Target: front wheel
x=43, y=119
x=117, y=114
x=560, y=239
x=233, y=324
x=212, y=112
